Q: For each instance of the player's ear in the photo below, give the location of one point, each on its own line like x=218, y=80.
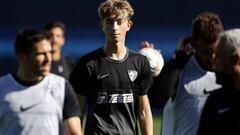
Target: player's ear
x=64, y=39
x=236, y=59
x=130, y=23
x=21, y=57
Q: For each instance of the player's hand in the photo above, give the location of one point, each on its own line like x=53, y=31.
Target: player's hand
x=153, y=55
x=185, y=44
x=146, y=44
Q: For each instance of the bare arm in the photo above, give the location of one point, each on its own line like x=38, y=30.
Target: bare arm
x=82, y=104
x=145, y=116
x=73, y=125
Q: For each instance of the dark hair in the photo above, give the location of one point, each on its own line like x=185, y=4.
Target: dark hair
x=207, y=26
x=26, y=39
x=55, y=24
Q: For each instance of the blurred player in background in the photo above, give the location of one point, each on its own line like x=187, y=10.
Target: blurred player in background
x=186, y=81
x=62, y=64
x=34, y=101
x=220, y=115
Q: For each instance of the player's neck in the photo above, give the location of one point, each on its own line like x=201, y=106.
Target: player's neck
x=115, y=51
x=26, y=76
x=236, y=84
x=56, y=55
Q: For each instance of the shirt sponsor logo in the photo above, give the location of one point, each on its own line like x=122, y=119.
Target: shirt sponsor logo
x=132, y=74
x=104, y=97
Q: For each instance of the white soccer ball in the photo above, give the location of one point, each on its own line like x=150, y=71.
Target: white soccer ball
x=155, y=59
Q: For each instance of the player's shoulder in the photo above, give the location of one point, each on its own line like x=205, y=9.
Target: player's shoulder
x=68, y=58
x=93, y=55
x=134, y=54
x=136, y=57
x=7, y=84
x=219, y=94
x=55, y=78
x=56, y=82
x=5, y=79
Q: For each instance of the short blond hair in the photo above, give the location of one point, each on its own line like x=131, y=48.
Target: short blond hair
x=115, y=8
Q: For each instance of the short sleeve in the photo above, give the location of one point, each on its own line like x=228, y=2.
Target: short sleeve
x=81, y=78
x=71, y=107
x=146, y=78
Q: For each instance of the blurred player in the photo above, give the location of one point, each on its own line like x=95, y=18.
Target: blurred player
x=34, y=101
x=62, y=64
x=187, y=80
x=220, y=115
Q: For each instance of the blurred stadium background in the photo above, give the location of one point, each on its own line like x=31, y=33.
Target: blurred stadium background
x=160, y=22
